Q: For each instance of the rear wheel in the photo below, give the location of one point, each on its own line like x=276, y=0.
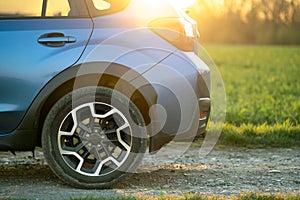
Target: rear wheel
x=93, y=137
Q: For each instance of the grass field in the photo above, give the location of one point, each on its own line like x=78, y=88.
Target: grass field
x=263, y=94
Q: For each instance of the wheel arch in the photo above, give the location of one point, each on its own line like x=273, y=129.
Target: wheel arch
x=72, y=78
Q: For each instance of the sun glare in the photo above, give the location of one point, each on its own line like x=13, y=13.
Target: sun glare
x=183, y=3
x=220, y=2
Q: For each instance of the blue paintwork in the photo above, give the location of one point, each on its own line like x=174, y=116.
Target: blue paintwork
x=26, y=66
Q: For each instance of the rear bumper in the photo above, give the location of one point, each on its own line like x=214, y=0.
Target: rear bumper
x=204, y=106
x=182, y=84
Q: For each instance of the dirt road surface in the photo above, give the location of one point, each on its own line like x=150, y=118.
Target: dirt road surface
x=224, y=172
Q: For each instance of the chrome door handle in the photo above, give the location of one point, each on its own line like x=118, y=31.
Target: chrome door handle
x=55, y=39
x=67, y=39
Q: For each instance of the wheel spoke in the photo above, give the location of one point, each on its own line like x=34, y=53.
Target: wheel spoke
x=84, y=127
x=64, y=133
x=104, y=146
x=111, y=112
x=127, y=147
x=79, y=147
x=99, y=168
x=79, y=166
x=85, y=154
x=91, y=124
x=72, y=153
x=74, y=117
x=73, y=149
x=92, y=109
x=107, y=132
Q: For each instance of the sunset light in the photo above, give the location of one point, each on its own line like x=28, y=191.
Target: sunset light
x=220, y=2
x=183, y=3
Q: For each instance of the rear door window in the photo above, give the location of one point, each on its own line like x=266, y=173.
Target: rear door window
x=15, y=9
x=21, y=8
x=57, y=8
x=66, y=8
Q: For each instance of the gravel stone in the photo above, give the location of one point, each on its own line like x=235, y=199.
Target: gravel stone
x=224, y=172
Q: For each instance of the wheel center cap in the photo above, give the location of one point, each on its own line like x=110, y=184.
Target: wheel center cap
x=96, y=139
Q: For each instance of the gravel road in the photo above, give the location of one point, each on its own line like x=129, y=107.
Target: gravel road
x=223, y=172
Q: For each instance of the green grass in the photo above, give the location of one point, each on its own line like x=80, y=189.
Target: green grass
x=249, y=135
x=263, y=94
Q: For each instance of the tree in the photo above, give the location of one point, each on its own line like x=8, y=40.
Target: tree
x=249, y=21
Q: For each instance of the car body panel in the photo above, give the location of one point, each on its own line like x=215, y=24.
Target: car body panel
x=176, y=81
x=26, y=65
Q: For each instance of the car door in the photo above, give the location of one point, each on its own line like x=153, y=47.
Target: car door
x=38, y=40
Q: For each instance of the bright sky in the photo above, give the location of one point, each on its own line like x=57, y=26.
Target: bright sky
x=33, y=7
x=188, y=3
x=29, y=7
x=183, y=3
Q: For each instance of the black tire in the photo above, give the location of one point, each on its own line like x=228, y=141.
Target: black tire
x=110, y=147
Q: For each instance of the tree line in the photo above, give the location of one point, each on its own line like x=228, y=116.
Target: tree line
x=248, y=21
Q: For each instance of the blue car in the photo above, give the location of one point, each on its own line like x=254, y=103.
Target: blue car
x=97, y=83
